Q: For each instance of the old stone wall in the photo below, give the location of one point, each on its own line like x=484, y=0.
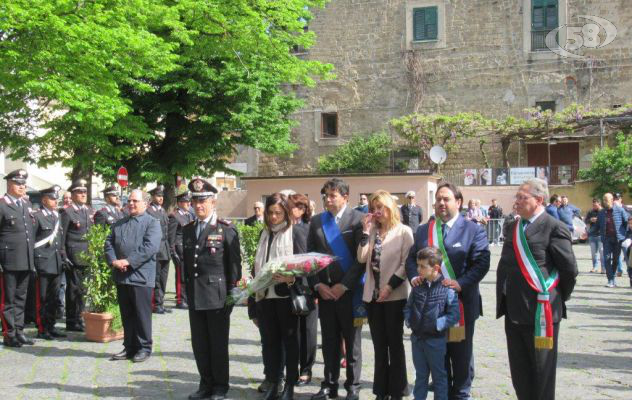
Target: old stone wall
x=480, y=62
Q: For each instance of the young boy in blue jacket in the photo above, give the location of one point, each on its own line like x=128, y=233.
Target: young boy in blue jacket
x=431, y=309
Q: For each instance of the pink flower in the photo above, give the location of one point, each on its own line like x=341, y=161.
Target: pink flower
x=324, y=261
x=307, y=267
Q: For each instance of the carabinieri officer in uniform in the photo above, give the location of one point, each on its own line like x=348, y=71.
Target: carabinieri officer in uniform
x=212, y=262
x=49, y=263
x=16, y=258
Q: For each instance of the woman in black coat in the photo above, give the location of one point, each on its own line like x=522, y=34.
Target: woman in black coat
x=279, y=326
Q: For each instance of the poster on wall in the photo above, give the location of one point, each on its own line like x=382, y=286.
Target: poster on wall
x=518, y=175
x=542, y=173
x=469, y=177
x=564, y=174
x=485, y=176
x=501, y=176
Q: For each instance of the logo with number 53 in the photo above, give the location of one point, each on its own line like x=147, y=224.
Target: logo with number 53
x=587, y=35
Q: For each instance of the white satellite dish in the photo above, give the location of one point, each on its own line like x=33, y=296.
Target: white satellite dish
x=438, y=155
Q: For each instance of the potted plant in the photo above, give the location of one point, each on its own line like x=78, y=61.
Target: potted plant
x=102, y=317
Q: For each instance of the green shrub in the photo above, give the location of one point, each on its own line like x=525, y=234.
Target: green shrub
x=361, y=154
x=100, y=288
x=249, y=239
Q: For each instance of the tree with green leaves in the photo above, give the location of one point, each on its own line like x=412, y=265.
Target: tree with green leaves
x=611, y=167
x=164, y=88
x=423, y=131
x=361, y=154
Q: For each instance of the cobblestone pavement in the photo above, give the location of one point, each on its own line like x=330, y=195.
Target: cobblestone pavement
x=595, y=355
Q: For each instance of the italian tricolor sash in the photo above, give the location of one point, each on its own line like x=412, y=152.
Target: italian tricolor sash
x=535, y=279
x=456, y=333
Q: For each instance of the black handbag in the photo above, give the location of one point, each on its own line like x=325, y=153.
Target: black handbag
x=302, y=301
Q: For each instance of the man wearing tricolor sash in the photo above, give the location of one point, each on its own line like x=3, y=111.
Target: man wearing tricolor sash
x=535, y=277
x=465, y=250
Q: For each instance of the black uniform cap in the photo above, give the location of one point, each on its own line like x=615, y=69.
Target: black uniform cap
x=201, y=189
x=185, y=196
x=52, y=192
x=17, y=176
x=79, y=184
x=110, y=190
x=157, y=191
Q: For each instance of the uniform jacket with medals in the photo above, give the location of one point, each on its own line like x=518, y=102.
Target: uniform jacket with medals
x=178, y=220
x=107, y=216
x=50, y=256
x=75, y=223
x=161, y=215
x=16, y=235
x=212, y=263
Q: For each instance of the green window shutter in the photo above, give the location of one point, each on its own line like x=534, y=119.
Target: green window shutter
x=425, y=23
x=544, y=14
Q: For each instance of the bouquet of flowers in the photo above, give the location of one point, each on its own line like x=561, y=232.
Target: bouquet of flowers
x=297, y=265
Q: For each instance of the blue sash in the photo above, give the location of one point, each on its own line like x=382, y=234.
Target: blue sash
x=340, y=250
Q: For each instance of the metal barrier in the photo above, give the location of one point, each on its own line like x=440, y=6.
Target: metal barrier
x=495, y=231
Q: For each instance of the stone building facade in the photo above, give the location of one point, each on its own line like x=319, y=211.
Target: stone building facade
x=464, y=55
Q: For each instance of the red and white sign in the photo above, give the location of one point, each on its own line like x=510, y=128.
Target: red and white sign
x=121, y=176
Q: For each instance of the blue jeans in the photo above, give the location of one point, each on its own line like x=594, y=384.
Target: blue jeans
x=429, y=358
x=596, y=248
x=611, y=253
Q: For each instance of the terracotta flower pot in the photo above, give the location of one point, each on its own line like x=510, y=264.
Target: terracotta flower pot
x=98, y=327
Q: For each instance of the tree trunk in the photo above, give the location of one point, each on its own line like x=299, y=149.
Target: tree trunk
x=505, y=143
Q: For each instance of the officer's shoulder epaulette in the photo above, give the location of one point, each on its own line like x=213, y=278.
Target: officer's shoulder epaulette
x=224, y=222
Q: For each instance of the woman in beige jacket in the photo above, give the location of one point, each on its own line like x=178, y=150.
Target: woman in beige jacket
x=384, y=248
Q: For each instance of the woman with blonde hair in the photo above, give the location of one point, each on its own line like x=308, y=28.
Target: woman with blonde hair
x=384, y=248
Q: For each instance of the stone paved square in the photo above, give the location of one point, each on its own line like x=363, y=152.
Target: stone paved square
x=595, y=354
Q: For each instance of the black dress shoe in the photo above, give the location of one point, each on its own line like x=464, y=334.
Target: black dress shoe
x=11, y=342
x=159, y=310
x=74, y=328
x=264, y=386
x=272, y=393
x=288, y=392
x=123, y=355
x=201, y=394
x=23, y=339
x=45, y=336
x=353, y=395
x=182, y=306
x=141, y=356
x=325, y=393
x=56, y=334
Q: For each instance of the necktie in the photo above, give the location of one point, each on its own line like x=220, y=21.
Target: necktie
x=200, y=228
x=444, y=229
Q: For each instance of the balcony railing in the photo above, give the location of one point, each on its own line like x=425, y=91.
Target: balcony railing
x=557, y=175
x=538, y=40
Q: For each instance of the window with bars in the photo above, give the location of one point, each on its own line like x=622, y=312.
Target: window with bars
x=545, y=105
x=425, y=24
x=544, y=18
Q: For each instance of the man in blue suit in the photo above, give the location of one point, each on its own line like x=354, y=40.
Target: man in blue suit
x=613, y=223
x=467, y=248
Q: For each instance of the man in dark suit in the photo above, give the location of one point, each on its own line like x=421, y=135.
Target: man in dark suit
x=258, y=215
x=162, y=259
x=75, y=222
x=180, y=217
x=49, y=263
x=111, y=212
x=336, y=286
x=467, y=249
x=130, y=249
x=531, y=363
x=16, y=258
x=212, y=263
x=412, y=214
